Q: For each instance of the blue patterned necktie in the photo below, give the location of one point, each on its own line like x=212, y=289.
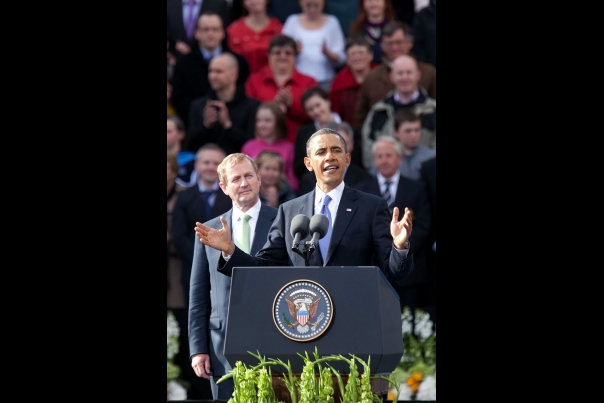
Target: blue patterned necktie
x=324, y=242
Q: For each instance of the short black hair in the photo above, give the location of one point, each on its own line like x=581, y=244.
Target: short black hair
x=325, y=130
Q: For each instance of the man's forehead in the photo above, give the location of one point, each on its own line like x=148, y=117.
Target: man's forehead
x=411, y=124
x=327, y=140
x=397, y=33
x=208, y=155
x=243, y=165
x=210, y=21
x=404, y=65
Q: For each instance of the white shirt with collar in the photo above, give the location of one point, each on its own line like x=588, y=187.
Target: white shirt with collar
x=393, y=183
x=207, y=55
x=336, y=196
x=414, y=97
x=237, y=221
x=215, y=187
x=393, y=187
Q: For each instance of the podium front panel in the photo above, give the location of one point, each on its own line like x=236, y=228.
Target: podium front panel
x=366, y=317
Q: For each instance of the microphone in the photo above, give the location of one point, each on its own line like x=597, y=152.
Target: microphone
x=299, y=229
x=319, y=225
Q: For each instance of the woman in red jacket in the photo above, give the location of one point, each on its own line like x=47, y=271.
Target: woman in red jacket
x=279, y=81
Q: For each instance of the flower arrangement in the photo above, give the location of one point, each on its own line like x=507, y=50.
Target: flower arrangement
x=176, y=387
x=253, y=385
x=415, y=375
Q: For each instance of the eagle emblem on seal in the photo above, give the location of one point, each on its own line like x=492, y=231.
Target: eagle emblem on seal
x=302, y=310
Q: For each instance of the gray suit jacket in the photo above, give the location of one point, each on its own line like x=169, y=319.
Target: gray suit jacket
x=360, y=237
x=210, y=291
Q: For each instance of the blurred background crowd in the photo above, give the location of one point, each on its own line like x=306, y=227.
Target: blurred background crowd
x=260, y=77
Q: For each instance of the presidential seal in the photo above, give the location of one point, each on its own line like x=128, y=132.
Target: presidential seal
x=302, y=310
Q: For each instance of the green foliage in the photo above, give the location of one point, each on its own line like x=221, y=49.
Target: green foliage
x=173, y=371
x=315, y=385
x=286, y=320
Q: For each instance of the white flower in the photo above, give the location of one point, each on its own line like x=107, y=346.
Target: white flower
x=427, y=389
x=423, y=325
x=173, y=334
x=173, y=328
x=419, y=358
x=176, y=391
x=405, y=392
x=407, y=318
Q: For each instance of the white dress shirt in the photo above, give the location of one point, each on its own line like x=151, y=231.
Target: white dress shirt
x=237, y=221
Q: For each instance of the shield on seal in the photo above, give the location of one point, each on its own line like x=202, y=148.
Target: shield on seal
x=302, y=317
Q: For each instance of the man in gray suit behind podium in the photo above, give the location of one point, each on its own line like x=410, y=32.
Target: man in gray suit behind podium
x=210, y=290
x=361, y=232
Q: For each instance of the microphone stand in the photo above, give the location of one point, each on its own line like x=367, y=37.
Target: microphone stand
x=308, y=251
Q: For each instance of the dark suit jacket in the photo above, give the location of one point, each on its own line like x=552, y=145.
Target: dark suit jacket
x=176, y=27
x=352, y=244
x=354, y=175
x=210, y=291
x=189, y=209
x=410, y=193
x=190, y=80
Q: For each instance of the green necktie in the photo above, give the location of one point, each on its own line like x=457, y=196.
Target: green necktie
x=243, y=242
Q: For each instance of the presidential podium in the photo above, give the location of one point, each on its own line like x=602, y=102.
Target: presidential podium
x=361, y=306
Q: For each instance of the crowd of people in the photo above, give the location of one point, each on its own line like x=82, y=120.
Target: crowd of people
x=250, y=85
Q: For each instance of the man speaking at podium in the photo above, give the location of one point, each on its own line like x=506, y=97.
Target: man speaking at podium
x=360, y=230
